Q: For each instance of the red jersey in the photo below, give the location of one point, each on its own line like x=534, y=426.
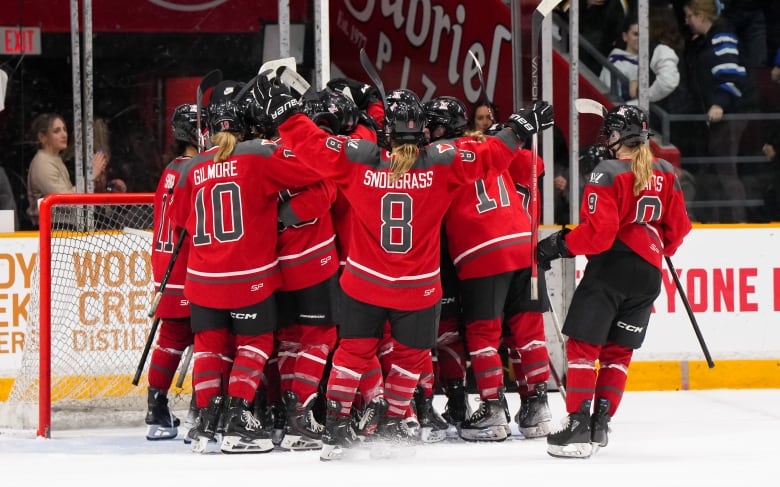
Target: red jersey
x=393, y=259
x=488, y=227
x=652, y=224
x=173, y=304
x=229, y=210
x=307, y=244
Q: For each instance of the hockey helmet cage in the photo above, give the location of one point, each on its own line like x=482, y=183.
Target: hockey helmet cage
x=334, y=111
x=184, y=123
x=629, y=122
x=404, y=117
x=446, y=117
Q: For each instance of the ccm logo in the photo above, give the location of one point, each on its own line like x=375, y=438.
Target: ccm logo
x=256, y=287
x=243, y=316
x=630, y=328
x=430, y=291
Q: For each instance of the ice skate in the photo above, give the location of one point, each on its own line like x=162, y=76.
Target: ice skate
x=488, y=423
x=433, y=428
x=203, y=436
x=573, y=439
x=599, y=425
x=338, y=436
x=534, y=418
x=162, y=424
x=301, y=430
x=244, y=433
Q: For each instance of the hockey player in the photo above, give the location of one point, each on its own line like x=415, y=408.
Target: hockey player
x=309, y=264
x=398, y=198
x=632, y=215
x=227, y=204
x=173, y=310
x=488, y=232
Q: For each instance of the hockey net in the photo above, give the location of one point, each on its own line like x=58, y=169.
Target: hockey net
x=88, y=317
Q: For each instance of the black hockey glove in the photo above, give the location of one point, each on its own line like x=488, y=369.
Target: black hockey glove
x=530, y=120
x=551, y=248
x=277, y=101
x=361, y=93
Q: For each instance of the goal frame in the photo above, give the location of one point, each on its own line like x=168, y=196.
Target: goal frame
x=44, y=269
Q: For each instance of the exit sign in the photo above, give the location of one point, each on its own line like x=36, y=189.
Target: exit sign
x=20, y=40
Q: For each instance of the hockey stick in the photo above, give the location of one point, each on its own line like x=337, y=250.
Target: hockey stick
x=689, y=310
x=484, y=95
x=540, y=13
x=209, y=81
x=184, y=366
x=370, y=70
x=586, y=105
x=153, y=310
x=274, y=65
x=559, y=334
x=297, y=83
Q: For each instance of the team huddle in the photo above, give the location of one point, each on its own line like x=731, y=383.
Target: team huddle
x=340, y=254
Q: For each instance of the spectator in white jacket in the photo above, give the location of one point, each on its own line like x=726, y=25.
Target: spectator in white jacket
x=625, y=59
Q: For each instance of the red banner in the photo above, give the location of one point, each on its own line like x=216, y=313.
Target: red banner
x=423, y=46
x=191, y=16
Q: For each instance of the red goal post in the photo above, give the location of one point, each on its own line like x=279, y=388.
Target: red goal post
x=88, y=317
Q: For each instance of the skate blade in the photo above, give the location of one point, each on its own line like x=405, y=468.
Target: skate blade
x=204, y=445
x=300, y=443
x=540, y=430
x=333, y=452
x=491, y=433
x=156, y=432
x=429, y=435
x=235, y=444
x=572, y=450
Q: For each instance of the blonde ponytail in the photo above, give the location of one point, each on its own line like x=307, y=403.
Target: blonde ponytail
x=227, y=144
x=402, y=159
x=642, y=167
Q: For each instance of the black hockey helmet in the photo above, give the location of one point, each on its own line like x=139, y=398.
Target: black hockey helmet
x=446, y=117
x=404, y=117
x=184, y=123
x=333, y=110
x=629, y=122
x=224, y=113
x=256, y=120
x=591, y=155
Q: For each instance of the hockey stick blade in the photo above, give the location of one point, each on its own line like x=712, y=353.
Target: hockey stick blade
x=586, y=105
x=296, y=82
x=372, y=73
x=274, y=65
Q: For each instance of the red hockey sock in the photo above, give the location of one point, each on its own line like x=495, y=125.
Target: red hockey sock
x=613, y=373
x=581, y=378
x=252, y=352
x=483, y=338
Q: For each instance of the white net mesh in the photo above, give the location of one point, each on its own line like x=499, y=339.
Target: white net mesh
x=101, y=291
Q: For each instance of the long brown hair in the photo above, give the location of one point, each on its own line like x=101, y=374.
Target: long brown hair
x=402, y=159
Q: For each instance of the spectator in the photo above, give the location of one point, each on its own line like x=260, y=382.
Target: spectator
x=773, y=34
x=625, y=59
x=483, y=115
x=47, y=173
x=601, y=22
x=721, y=86
x=748, y=22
